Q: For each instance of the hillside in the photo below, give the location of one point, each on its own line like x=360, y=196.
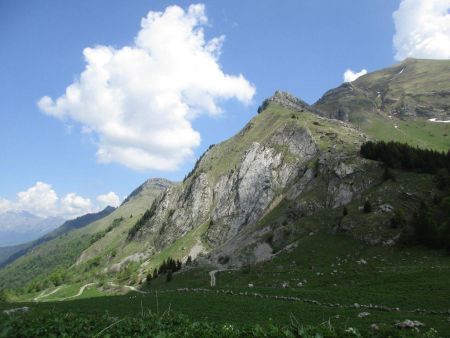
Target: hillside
x=10, y=254
x=62, y=251
x=397, y=103
x=288, y=174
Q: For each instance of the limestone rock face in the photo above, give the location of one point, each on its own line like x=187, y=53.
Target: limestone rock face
x=239, y=198
x=226, y=197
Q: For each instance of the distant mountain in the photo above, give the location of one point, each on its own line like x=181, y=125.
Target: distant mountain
x=11, y=253
x=64, y=249
x=404, y=102
x=18, y=227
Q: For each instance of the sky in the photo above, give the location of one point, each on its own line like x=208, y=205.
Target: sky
x=98, y=96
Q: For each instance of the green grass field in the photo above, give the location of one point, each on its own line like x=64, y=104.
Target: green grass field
x=420, y=133
x=336, y=273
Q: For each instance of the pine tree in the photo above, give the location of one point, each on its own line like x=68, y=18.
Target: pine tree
x=367, y=207
x=169, y=276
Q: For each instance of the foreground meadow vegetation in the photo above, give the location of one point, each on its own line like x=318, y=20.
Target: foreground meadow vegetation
x=350, y=290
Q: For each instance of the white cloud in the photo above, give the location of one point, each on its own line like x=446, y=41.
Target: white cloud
x=110, y=199
x=40, y=199
x=139, y=100
x=73, y=205
x=43, y=201
x=5, y=205
x=350, y=75
x=422, y=29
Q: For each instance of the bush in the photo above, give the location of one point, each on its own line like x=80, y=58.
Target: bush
x=398, y=220
x=344, y=211
x=442, y=179
x=367, y=207
x=388, y=174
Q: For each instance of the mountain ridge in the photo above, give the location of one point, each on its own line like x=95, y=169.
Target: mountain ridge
x=288, y=173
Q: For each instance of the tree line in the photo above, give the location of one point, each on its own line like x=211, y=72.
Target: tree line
x=402, y=156
x=430, y=222
x=168, y=267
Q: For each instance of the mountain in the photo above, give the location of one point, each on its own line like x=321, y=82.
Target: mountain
x=397, y=103
x=290, y=173
x=18, y=227
x=11, y=253
x=62, y=251
x=286, y=174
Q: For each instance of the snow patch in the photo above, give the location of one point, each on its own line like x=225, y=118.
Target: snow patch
x=438, y=121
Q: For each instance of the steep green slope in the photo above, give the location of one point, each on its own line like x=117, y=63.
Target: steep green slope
x=396, y=103
x=63, y=251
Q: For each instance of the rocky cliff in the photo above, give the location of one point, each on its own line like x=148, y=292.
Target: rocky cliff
x=285, y=155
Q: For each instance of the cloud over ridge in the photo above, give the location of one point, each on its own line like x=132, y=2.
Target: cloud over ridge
x=351, y=75
x=138, y=101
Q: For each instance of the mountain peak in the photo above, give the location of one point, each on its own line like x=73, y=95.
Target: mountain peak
x=152, y=183
x=284, y=99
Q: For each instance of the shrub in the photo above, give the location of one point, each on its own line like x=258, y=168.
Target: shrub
x=398, y=220
x=367, y=207
x=344, y=211
x=388, y=174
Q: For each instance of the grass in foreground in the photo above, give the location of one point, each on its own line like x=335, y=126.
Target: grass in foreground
x=169, y=324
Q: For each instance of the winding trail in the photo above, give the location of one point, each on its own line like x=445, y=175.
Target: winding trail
x=43, y=294
x=130, y=287
x=80, y=292
x=212, y=275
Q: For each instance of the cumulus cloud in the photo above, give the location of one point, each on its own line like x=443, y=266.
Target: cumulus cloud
x=139, y=100
x=43, y=201
x=5, y=205
x=39, y=199
x=110, y=199
x=350, y=75
x=422, y=29
x=73, y=205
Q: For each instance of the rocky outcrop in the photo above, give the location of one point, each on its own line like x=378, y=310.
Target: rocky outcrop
x=238, y=198
x=285, y=163
x=286, y=100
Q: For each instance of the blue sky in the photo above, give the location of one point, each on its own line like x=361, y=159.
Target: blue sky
x=303, y=47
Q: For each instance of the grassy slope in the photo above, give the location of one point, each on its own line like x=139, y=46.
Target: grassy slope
x=423, y=83
x=64, y=251
x=420, y=133
x=395, y=277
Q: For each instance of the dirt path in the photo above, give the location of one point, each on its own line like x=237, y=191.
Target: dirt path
x=130, y=287
x=212, y=276
x=80, y=292
x=43, y=294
